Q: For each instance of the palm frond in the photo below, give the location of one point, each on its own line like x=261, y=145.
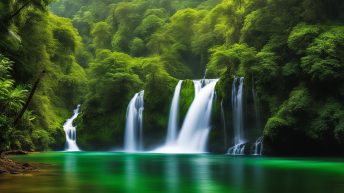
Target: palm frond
x=5, y=88
x=15, y=99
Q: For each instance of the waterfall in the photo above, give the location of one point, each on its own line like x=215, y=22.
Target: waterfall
x=237, y=109
x=70, y=131
x=173, y=117
x=198, y=86
x=258, y=146
x=194, y=132
x=256, y=106
x=237, y=149
x=133, y=138
x=193, y=135
x=237, y=105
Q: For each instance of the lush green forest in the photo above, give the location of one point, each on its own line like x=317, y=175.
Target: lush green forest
x=99, y=53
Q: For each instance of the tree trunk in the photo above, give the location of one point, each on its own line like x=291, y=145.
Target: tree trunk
x=26, y=105
x=5, y=20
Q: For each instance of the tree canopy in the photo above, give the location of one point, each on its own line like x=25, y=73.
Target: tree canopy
x=100, y=53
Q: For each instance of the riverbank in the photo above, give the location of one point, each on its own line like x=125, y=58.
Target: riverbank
x=8, y=166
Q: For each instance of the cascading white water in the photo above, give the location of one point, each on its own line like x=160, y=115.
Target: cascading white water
x=198, y=86
x=237, y=109
x=237, y=149
x=194, y=132
x=173, y=120
x=70, y=131
x=258, y=146
x=237, y=104
x=133, y=137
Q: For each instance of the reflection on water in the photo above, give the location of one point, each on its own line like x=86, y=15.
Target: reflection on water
x=153, y=173
x=131, y=173
x=258, y=179
x=237, y=174
x=70, y=163
x=202, y=176
x=171, y=173
x=70, y=174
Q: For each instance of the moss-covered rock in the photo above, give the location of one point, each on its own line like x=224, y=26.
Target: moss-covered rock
x=157, y=100
x=187, y=94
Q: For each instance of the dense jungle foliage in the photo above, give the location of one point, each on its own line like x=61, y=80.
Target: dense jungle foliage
x=37, y=41
x=100, y=53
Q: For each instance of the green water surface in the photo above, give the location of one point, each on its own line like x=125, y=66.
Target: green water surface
x=87, y=172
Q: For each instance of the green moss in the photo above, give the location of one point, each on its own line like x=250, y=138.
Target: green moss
x=274, y=128
x=159, y=89
x=101, y=131
x=326, y=127
x=187, y=94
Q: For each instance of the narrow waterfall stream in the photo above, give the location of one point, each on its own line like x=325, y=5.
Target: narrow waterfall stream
x=198, y=86
x=238, y=122
x=256, y=106
x=173, y=120
x=70, y=132
x=258, y=146
x=133, y=137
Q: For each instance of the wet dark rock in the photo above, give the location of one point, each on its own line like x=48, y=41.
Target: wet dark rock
x=8, y=166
